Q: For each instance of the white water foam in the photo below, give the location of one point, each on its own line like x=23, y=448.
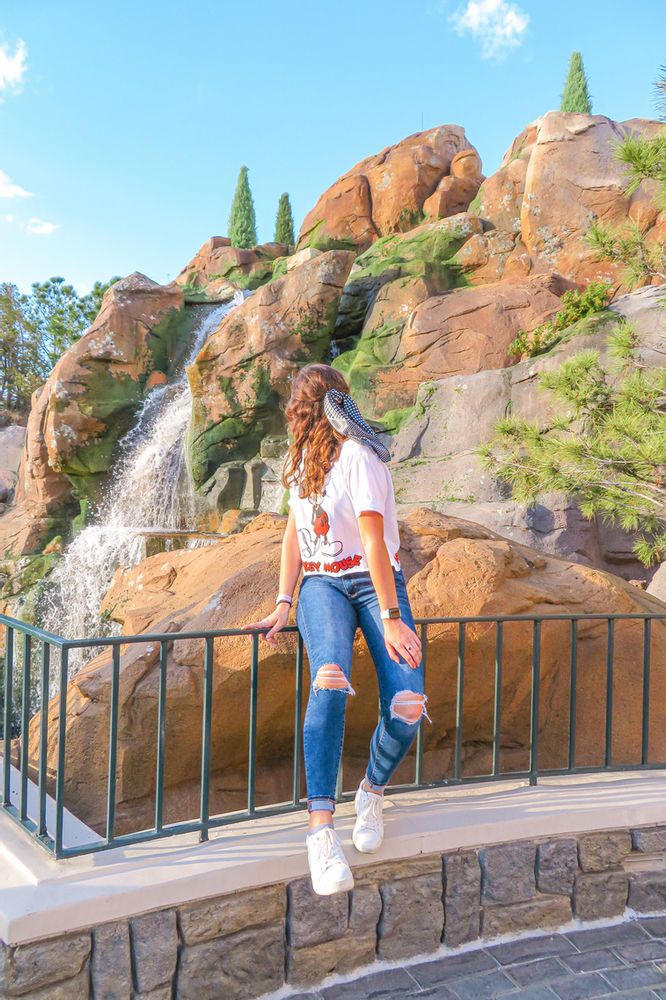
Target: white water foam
x=149, y=489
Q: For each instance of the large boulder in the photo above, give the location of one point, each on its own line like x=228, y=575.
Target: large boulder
x=218, y=270
x=243, y=372
x=459, y=332
x=559, y=175
x=435, y=452
x=385, y=193
x=87, y=403
x=453, y=568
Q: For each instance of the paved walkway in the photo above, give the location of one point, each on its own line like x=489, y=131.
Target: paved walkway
x=627, y=960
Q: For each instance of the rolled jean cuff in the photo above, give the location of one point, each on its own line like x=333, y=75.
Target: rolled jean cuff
x=372, y=785
x=321, y=802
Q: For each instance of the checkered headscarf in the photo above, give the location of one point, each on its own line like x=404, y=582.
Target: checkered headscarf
x=344, y=416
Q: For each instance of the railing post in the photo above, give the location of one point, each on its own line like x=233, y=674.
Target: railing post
x=645, y=729
x=298, y=713
x=252, y=747
x=8, y=713
x=497, y=708
x=460, y=684
x=25, y=725
x=205, y=738
x=534, y=709
x=573, y=684
x=62, y=734
x=609, y=692
x=113, y=744
x=418, y=771
x=161, y=738
x=43, y=737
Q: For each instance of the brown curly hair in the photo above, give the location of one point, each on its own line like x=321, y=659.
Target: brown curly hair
x=315, y=443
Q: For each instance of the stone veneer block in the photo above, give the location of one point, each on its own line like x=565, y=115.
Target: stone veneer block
x=412, y=917
x=235, y=967
x=462, y=896
x=218, y=917
x=111, y=963
x=508, y=873
x=161, y=993
x=389, y=871
x=557, y=865
x=154, y=939
x=599, y=851
x=45, y=963
x=649, y=840
x=533, y=914
x=647, y=892
x=313, y=919
x=365, y=911
x=77, y=988
x=306, y=966
x=600, y=894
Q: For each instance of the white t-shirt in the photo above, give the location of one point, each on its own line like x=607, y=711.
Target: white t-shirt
x=327, y=528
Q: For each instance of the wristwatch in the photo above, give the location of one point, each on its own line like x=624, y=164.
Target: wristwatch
x=390, y=613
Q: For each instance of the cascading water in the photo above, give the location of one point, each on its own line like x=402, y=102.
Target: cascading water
x=149, y=489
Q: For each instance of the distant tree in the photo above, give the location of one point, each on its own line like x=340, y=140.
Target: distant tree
x=660, y=88
x=576, y=96
x=92, y=302
x=606, y=447
x=242, y=221
x=59, y=316
x=284, y=222
x=18, y=363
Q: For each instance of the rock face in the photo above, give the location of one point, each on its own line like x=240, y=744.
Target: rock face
x=86, y=405
x=459, y=332
x=435, y=452
x=218, y=270
x=243, y=371
x=385, y=193
x=453, y=568
x=559, y=175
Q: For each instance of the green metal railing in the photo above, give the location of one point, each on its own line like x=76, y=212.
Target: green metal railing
x=36, y=661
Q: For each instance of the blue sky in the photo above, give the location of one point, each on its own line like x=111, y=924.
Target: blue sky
x=126, y=124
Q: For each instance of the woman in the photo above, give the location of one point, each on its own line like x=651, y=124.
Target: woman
x=342, y=532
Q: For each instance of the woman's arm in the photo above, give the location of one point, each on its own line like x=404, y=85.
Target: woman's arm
x=290, y=568
x=400, y=640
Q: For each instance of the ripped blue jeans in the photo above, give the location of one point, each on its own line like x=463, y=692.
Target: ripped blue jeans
x=329, y=611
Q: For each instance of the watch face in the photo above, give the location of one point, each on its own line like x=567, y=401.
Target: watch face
x=394, y=612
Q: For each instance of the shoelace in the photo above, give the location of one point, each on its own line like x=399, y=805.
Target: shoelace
x=327, y=849
x=372, y=812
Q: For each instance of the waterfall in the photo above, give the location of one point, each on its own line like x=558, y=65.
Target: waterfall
x=149, y=488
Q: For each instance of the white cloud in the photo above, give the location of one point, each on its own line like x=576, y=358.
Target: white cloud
x=11, y=190
x=497, y=24
x=9, y=220
x=12, y=67
x=38, y=227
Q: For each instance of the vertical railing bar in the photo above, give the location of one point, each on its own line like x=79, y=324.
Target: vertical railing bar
x=298, y=721
x=610, y=651
x=113, y=743
x=573, y=684
x=161, y=738
x=9, y=704
x=43, y=737
x=534, y=708
x=25, y=725
x=460, y=683
x=62, y=733
x=204, y=805
x=418, y=771
x=252, y=749
x=645, y=734
x=497, y=708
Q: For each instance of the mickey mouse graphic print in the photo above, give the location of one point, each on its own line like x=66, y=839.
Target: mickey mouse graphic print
x=327, y=526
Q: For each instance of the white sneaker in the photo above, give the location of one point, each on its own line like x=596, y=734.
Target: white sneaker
x=329, y=870
x=369, y=826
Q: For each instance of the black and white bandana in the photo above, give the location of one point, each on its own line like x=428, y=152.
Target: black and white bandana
x=344, y=416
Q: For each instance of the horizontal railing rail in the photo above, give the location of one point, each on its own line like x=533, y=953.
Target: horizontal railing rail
x=27, y=691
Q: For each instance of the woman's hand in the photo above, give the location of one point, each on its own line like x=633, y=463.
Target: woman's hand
x=401, y=642
x=273, y=623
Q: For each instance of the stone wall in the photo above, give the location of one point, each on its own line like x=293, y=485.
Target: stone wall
x=248, y=943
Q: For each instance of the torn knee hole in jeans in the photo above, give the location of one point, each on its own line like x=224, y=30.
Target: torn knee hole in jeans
x=409, y=707
x=331, y=677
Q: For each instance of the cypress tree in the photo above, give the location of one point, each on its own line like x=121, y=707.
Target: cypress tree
x=242, y=221
x=576, y=96
x=284, y=222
